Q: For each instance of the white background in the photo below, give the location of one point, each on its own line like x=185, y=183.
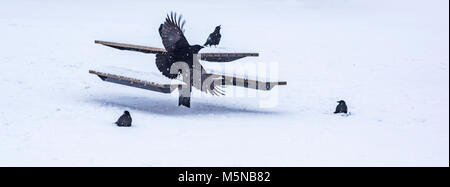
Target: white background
x=388, y=59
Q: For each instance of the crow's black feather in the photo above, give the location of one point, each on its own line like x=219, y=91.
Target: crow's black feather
x=341, y=108
x=178, y=49
x=124, y=120
x=214, y=38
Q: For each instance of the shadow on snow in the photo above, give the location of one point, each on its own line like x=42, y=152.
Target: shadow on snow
x=170, y=107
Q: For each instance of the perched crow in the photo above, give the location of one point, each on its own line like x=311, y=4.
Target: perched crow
x=178, y=49
x=341, y=108
x=124, y=120
x=214, y=38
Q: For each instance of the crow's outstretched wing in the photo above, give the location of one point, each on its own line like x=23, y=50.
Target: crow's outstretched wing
x=164, y=63
x=172, y=33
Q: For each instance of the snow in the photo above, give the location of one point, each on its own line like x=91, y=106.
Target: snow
x=388, y=60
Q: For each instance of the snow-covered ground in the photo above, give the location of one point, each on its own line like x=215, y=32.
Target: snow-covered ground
x=388, y=59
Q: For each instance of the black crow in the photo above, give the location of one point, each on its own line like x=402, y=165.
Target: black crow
x=178, y=49
x=214, y=38
x=124, y=120
x=341, y=108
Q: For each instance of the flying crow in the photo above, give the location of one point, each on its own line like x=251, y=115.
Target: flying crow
x=124, y=120
x=178, y=49
x=214, y=38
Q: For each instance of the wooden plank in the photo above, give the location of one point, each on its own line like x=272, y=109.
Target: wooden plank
x=229, y=54
x=225, y=57
x=131, y=47
x=168, y=88
x=163, y=88
x=211, y=57
x=247, y=83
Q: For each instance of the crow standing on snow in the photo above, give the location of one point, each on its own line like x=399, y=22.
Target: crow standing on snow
x=214, y=38
x=124, y=120
x=178, y=49
x=341, y=108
